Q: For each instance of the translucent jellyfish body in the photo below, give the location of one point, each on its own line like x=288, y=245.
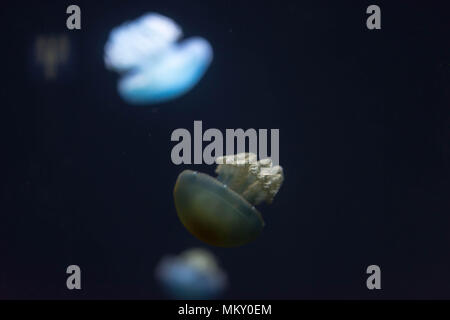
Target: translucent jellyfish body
x=52, y=53
x=155, y=64
x=221, y=211
x=194, y=274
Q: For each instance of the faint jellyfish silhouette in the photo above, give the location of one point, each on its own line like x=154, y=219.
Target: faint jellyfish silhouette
x=194, y=274
x=222, y=211
x=51, y=51
x=155, y=66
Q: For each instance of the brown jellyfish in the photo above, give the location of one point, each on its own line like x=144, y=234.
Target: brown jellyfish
x=221, y=211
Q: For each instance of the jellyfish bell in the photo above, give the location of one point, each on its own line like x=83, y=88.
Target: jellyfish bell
x=221, y=211
x=169, y=76
x=193, y=274
x=214, y=213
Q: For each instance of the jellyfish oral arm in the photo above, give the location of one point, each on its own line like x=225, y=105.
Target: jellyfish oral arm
x=256, y=181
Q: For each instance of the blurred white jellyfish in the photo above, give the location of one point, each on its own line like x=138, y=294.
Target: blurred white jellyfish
x=155, y=65
x=194, y=274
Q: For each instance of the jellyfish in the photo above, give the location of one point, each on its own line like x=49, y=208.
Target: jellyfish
x=52, y=52
x=221, y=211
x=194, y=274
x=155, y=65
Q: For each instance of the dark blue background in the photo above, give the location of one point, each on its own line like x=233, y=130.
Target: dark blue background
x=364, y=121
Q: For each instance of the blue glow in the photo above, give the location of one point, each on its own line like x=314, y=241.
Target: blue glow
x=155, y=67
x=192, y=275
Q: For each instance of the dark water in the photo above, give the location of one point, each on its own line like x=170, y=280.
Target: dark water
x=364, y=121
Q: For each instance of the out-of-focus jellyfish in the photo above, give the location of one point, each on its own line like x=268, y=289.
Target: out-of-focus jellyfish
x=221, y=211
x=51, y=51
x=194, y=274
x=155, y=65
